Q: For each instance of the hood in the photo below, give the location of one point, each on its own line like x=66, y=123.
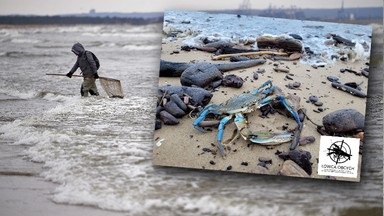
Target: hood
x=77, y=48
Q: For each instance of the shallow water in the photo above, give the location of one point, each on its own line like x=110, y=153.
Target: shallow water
x=99, y=150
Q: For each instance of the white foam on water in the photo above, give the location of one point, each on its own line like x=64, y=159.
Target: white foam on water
x=237, y=30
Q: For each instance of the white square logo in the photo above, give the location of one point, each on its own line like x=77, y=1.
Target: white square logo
x=338, y=156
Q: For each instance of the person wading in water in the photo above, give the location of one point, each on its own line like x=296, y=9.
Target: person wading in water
x=88, y=64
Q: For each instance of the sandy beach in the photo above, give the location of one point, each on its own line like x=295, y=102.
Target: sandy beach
x=181, y=145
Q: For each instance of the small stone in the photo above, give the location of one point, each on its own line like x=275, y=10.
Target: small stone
x=296, y=84
x=266, y=160
x=342, y=70
x=290, y=168
x=320, y=109
x=313, y=98
x=244, y=163
x=212, y=162
x=176, y=51
x=260, y=70
x=158, y=124
x=318, y=103
x=229, y=167
x=255, y=76
x=332, y=78
x=167, y=118
x=206, y=150
x=288, y=77
x=307, y=140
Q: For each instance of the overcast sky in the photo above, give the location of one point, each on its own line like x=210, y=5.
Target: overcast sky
x=52, y=7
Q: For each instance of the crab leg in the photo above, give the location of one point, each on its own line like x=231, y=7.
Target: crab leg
x=262, y=138
x=208, y=109
x=223, y=122
x=289, y=106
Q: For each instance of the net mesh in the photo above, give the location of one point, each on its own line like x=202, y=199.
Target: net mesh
x=112, y=87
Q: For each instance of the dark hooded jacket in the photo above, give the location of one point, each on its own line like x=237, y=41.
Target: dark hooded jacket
x=84, y=61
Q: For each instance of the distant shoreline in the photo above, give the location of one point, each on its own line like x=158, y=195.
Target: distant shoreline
x=70, y=20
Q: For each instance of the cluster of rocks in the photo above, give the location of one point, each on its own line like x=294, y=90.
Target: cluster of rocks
x=174, y=102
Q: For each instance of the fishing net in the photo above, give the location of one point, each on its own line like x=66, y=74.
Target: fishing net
x=112, y=87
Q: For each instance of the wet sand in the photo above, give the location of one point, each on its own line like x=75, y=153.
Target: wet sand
x=181, y=145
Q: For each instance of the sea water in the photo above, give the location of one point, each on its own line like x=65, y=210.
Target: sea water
x=194, y=27
x=98, y=150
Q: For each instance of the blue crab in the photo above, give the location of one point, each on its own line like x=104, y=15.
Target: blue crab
x=247, y=103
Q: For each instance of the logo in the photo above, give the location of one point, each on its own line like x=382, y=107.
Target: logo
x=338, y=156
x=339, y=152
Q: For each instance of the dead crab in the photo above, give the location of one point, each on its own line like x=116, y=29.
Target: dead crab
x=248, y=102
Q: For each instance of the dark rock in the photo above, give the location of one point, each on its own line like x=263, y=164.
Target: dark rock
x=244, y=163
x=229, y=167
x=288, y=44
x=200, y=74
x=180, y=103
x=233, y=81
x=307, y=140
x=342, y=70
x=255, y=76
x=318, y=103
x=296, y=84
x=238, y=58
x=343, y=120
x=158, y=110
x=265, y=160
x=173, y=109
x=288, y=77
x=167, y=118
x=158, y=124
x=296, y=36
x=212, y=162
x=199, y=96
x=206, y=150
x=302, y=159
x=313, y=98
x=332, y=78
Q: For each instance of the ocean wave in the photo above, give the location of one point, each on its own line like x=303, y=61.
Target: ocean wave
x=141, y=47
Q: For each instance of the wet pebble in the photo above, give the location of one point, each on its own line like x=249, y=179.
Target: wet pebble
x=265, y=160
x=167, y=118
x=313, y=98
x=307, y=140
x=261, y=71
x=180, y=103
x=174, y=109
x=288, y=77
x=158, y=124
x=318, y=103
x=296, y=84
x=229, y=167
x=255, y=76
x=206, y=150
x=212, y=162
x=332, y=78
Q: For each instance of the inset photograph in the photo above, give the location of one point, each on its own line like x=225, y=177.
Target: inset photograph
x=262, y=95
